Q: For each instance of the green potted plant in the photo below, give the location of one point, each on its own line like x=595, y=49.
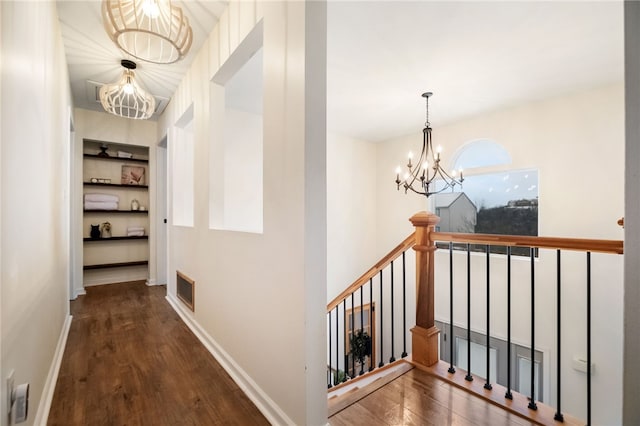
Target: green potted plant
x=360, y=347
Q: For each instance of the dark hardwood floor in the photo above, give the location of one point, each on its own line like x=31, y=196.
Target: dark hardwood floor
x=417, y=398
x=130, y=360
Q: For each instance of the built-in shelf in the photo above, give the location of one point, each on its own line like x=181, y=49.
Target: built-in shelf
x=119, y=251
x=117, y=211
x=116, y=185
x=141, y=237
x=116, y=265
x=114, y=158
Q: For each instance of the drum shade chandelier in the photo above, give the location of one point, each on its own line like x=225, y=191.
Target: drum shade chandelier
x=427, y=169
x=125, y=97
x=150, y=30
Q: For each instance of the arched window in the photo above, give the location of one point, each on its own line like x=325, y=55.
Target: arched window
x=502, y=202
x=480, y=153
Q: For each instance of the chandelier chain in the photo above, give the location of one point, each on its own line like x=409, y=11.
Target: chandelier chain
x=426, y=122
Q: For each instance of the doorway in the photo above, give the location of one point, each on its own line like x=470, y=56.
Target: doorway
x=162, y=245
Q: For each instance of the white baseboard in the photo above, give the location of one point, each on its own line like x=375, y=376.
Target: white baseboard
x=266, y=405
x=50, y=385
x=151, y=282
x=78, y=292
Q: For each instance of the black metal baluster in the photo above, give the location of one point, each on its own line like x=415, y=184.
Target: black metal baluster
x=344, y=352
x=371, y=321
x=487, y=384
x=381, y=326
x=558, y=416
x=337, y=377
x=362, y=324
x=468, y=377
x=451, y=367
x=329, y=379
x=404, y=308
x=392, y=322
x=588, y=338
x=508, y=394
x=352, y=319
x=532, y=401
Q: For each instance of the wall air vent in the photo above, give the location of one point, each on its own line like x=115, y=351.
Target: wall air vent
x=186, y=288
x=93, y=96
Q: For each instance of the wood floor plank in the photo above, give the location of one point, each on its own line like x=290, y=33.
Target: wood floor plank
x=518, y=406
x=130, y=360
x=417, y=398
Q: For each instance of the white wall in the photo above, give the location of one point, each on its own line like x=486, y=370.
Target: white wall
x=110, y=128
x=351, y=211
x=35, y=260
x=243, y=171
x=182, y=174
x=577, y=144
x=260, y=297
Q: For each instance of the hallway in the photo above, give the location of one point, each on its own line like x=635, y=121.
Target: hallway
x=130, y=360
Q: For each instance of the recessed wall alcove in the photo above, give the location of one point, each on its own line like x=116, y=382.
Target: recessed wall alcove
x=236, y=145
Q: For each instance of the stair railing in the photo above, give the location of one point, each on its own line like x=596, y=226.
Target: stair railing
x=346, y=313
x=425, y=334
x=368, y=320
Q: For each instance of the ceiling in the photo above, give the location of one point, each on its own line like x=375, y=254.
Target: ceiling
x=475, y=56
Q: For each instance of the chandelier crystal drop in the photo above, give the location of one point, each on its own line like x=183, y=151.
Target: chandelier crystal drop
x=126, y=98
x=423, y=172
x=150, y=30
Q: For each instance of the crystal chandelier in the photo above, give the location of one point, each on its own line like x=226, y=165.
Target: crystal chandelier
x=427, y=169
x=150, y=30
x=125, y=97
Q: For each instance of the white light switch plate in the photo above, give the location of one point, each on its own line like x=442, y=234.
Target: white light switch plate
x=580, y=364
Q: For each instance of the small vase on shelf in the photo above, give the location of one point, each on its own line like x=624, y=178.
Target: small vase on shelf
x=103, y=151
x=106, y=230
x=95, y=231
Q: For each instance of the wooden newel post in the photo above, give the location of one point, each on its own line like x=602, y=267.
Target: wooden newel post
x=425, y=334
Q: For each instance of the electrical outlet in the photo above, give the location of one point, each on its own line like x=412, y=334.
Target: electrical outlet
x=9, y=390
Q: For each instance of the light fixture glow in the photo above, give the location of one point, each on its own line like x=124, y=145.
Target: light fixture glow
x=126, y=98
x=151, y=9
x=421, y=177
x=150, y=30
x=128, y=88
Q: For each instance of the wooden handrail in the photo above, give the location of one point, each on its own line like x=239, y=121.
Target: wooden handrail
x=579, y=244
x=374, y=270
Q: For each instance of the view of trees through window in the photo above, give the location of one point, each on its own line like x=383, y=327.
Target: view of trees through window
x=495, y=203
x=489, y=203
